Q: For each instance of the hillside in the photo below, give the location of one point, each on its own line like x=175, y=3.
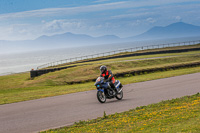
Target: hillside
x=174, y=30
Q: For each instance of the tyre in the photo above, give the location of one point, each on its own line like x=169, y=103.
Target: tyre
x=101, y=97
x=119, y=96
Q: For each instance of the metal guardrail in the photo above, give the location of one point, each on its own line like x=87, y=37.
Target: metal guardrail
x=52, y=64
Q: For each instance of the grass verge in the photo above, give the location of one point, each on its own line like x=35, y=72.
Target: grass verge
x=34, y=92
x=176, y=115
x=88, y=72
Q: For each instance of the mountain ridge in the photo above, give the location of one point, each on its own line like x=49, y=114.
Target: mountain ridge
x=174, y=30
x=68, y=39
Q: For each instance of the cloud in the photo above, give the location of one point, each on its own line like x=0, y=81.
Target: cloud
x=53, y=26
x=178, y=18
x=89, y=8
x=135, y=23
x=133, y=15
x=19, y=32
x=150, y=20
x=61, y=11
x=63, y=25
x=161, y=15
x=100, y=1
x=120, y=18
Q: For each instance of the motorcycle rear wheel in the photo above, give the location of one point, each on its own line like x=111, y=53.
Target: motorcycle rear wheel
x=101, y=97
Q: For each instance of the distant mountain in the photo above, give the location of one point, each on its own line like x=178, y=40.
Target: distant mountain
x=56, y=41
x=174, y=30
x=77, y=39
x=108, y=37
x=65, y=37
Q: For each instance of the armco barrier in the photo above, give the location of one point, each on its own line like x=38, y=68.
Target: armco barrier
x=138, y=54
x=35, y=73
x=71, y=60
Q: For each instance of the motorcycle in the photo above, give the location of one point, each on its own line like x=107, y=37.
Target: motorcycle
x=104, y=90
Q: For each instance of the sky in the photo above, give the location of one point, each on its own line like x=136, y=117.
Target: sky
x=30, y=19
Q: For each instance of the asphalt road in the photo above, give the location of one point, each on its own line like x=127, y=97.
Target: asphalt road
x=52, y=112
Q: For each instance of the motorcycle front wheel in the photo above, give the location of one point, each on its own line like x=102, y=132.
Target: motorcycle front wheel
x=101, y=97
x=119, y=96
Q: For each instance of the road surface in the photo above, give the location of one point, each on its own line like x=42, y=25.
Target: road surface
x=53, y=112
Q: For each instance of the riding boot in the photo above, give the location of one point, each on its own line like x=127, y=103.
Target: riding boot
x=113, y=87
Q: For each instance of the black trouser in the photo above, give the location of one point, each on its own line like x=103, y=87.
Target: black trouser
x=111, y=85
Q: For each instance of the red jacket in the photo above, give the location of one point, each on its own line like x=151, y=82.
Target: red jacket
x=108, y=76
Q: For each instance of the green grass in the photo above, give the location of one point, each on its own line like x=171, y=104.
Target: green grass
x=19, y=87
x=129, y=58
x=35, y=92
x=125, y=53
x=87, y=72
x=176, y=115
x=82, y=73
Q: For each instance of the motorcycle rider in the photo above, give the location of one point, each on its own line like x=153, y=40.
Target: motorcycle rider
x=108, y=76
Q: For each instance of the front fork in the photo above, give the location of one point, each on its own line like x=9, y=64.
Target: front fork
x=102, y=90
